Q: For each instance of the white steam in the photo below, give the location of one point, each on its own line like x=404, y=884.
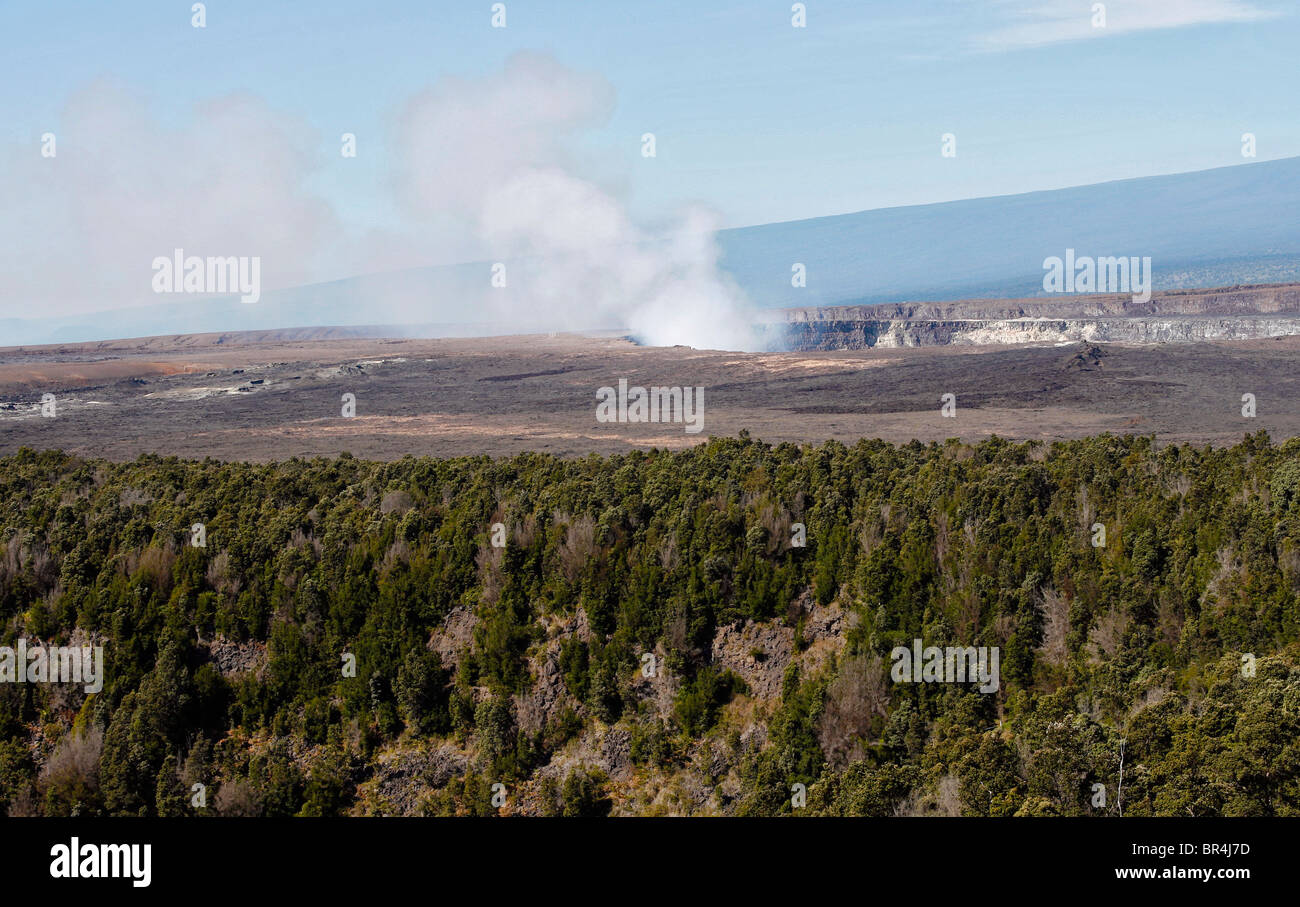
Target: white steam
x=482, y=170
x=494, y=155
x=80, y=230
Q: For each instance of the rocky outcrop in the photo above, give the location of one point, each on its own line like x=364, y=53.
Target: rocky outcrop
x=454, y=636
x=1234, y=313
x=851, y=335
x=547, y=696
x=759, y=653
x=1273, y=299
x=403, y=777
x=233, y=659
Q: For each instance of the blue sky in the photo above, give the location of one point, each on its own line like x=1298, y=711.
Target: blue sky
x=758, y=120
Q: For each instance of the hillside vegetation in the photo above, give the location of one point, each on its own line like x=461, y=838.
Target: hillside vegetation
x=651, y=639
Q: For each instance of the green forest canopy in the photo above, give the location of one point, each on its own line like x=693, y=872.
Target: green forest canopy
x=1168, y=654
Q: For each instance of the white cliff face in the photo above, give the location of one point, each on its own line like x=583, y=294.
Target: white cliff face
x=1103, y=330
x=1237, y=314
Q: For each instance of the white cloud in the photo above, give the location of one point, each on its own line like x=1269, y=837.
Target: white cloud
x=1044, y=22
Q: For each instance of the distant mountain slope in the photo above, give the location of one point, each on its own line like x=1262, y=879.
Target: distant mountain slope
x=1230, y=226
x=1233, y=225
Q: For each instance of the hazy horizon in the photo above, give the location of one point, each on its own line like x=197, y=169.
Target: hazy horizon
x=859, y=257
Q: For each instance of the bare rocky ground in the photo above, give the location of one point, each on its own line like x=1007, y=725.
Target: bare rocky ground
x=275, y=395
